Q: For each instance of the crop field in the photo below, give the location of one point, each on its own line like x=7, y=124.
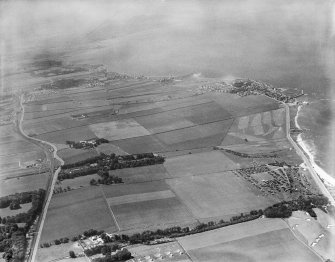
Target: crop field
x=141, y=144
x=71, y=155
x=143, y=205
x=135, y=188
x=73, y=212
x=46, y=126
x=57, y=252
x=78, y=182
x=157, y=213
x=200, y=163
x=163, y=122
x=23, y=183
x=141, y=174
x=117, y=130
x=257, y=240
x=70, y=134
x=278, y=246
x=109, y=149
x=217, y=195
x=240, y=106
x=257, y=128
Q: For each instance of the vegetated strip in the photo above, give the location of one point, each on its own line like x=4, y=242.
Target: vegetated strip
x=102, y=163
x=10, y=234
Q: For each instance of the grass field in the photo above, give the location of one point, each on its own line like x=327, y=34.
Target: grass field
x=109, y=149
x=119, y=129
x=141, y=174
x=278, y=246
x=146, y=205
x=257, y=240
x=152, y=214
x=141, y=144
x=315, y=233
x=71, y=155
x=8, y=212
x=78, y=182
x=75, y=211
x=200, y=163
x=217, y=195
x=70, y=134
x=23, y=183
x=58, y=252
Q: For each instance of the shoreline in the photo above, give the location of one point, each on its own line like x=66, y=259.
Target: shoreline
x=328, y=180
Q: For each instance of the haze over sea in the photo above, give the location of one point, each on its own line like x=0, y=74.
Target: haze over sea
x=288, y=43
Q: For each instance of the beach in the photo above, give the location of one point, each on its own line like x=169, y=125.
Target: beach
x=327, y=178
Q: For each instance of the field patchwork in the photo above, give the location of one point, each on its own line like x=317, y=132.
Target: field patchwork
x=117, y=130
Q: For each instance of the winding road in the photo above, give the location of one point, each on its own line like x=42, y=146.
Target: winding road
x=54, y=174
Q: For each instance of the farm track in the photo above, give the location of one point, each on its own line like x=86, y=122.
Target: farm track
x=49, y=191
x=109, y=208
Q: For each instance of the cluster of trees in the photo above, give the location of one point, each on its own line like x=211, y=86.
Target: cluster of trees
x=87, y=161
x=12, y=236
x=87, y=144
x=102, y=249
x=14, y=201
x=37, y=198
x=121, y=255
x=108, y=162
x=106, y=179
x=284, y=209
x=86, y=234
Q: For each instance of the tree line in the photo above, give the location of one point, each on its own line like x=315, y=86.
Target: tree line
x=108, y=162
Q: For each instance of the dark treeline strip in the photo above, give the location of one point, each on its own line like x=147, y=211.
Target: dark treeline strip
x=105, y=162
x=284, y=209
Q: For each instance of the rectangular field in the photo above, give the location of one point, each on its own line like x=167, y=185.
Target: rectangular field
x=23, y=183
x=277, y=246
x=258, y=240
x=141, y=174
x=71, y=155
x=146, y=205
x=200, y=163
x=73, y=212
x=217, y=195
x=159, y=213
x=117, y=130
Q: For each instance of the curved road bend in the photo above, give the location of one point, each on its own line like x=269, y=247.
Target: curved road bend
x=299, y=151
x=50, y=188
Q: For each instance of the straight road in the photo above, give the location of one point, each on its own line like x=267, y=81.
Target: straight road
x=51, y=153
x=299, y=151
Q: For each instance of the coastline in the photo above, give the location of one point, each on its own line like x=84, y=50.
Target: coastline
x=327, y=179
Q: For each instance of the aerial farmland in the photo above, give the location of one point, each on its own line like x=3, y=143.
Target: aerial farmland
x=165, y=132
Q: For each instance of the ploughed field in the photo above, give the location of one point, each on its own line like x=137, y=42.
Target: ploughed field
x=220, y=151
